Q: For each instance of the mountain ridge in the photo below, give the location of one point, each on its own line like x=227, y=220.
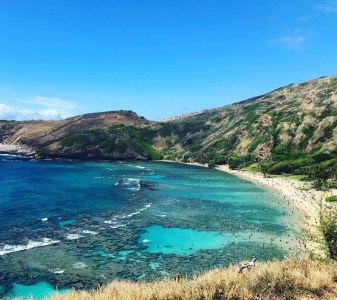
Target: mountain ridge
x=291, y=122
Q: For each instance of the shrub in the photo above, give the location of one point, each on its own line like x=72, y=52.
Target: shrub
x=328, y=226
x=213, y=159
x=327, y=113
x=252, y=146
x=333, y=82
x=331, y=199
x=108, y=146
x=239, y=162
x=121, y=146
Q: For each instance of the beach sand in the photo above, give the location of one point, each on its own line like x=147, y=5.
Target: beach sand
x=300, y=197
x=305, y=200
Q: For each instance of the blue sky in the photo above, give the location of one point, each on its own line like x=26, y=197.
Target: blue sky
x=159, y=58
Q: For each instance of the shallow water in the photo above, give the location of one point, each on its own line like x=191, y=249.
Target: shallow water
x=180, y=241
x=82, y=224
x=39, y=291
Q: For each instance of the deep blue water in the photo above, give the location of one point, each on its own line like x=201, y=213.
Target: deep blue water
x=82, y=224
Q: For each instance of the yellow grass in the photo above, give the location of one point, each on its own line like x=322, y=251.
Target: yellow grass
x=293, y=278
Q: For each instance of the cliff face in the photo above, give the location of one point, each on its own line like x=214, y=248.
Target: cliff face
x=296, y=120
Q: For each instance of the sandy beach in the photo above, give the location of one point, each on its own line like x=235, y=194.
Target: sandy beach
x=299, y=196
x=306, y=200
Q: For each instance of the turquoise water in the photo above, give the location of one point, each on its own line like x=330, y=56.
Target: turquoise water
x=66, y=222
x=180, y=241
x=83, y=224
x=37, y=291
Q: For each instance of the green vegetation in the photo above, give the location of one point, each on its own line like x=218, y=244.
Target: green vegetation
x=292, y=151
x=139, y=138
x=320, y=175
x=213, y=159
x=328, y=131
x=241, y=161
x=183, y=128
x=82, y=139
x=333, y=82
x=108, y=146
x=265, y=167
x=328, y=113
x=121, y=146
x=309, y=133
x=331, y=199
x=260, y=140
x=145, y=134
x=117, y=139
x=328, y=226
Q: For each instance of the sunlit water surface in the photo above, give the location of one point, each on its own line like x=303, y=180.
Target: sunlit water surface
x=82, y=224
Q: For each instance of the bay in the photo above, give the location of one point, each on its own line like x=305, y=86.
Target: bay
x=78, y=225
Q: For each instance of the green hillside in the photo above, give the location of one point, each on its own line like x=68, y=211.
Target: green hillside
x=290, y=128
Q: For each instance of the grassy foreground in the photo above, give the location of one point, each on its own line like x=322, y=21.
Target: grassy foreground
x=292, y=278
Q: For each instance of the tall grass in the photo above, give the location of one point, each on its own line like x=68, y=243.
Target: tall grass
x=293, y=278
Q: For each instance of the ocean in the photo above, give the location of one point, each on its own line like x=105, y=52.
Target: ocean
x=77, y=225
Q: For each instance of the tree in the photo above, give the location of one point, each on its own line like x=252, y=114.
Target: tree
x=265, y=167
x=320, y=176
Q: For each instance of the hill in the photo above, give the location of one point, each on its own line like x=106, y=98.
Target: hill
x=89, y=136
x=293, y=126
x=293, y=122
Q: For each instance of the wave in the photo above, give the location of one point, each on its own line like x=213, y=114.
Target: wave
x=119, y=224
x=73, y=236
x=76, y=236
x=56, y=271
x=136, y=212
x=129, y=183
x=116, y=222
x=31, y=244
x=79, y=265
x=89, y=232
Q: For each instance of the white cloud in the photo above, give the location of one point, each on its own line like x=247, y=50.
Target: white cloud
x=51, y=102
x=329, y=7
x=291, y=42
x=41, y=108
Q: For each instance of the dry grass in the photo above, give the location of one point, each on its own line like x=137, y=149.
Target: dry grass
x=289, y=279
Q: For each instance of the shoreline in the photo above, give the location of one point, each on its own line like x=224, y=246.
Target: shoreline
x=300, y=196
x=306, y=200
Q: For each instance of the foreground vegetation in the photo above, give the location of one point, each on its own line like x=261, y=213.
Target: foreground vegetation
x=288, y=279
x=328, y=227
